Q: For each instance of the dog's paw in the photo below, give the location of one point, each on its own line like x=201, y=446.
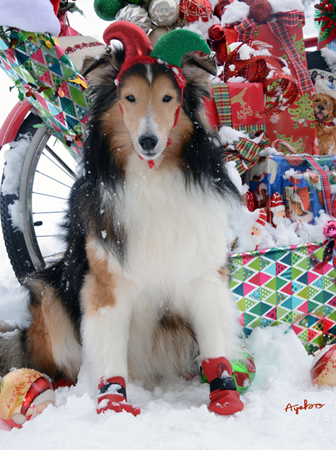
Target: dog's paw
x=117, y=403
x=225, y=403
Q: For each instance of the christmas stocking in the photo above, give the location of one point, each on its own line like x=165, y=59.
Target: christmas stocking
x=112, y=396
x=224, y=398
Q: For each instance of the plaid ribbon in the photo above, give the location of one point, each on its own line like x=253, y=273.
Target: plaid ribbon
x=278, y=26
x=326, y=252
x=329, y=200
x=223, y=103
x=246, y=153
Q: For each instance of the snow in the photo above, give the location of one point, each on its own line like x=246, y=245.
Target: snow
x=37, y=15
x=175, y=416
x=237, y=11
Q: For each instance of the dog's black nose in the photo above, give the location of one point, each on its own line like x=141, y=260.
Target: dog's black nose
x=148, y=141
x=320, y=107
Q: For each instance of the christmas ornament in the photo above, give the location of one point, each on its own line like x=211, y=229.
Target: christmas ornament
x=157, y=33
x=323, y=370
x=135, y=14
x=107, y=9
x=243, y=370
x=220, y=7
x=250, y=201
x=260, y=10
x=135, y=2
x=218, y=43
x=192, y=10
x=163, y=12
x=24, y=394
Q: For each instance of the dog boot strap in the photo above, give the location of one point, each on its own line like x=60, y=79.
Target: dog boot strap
x=112, y=396
x=224, y=398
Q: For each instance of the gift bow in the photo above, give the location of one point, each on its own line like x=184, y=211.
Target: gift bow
x=280, y=87
x=278, y=24
x=246, y=153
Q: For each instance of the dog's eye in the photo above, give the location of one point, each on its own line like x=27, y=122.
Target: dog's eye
x=328, y=103
x=130, y=98
x=167, y=98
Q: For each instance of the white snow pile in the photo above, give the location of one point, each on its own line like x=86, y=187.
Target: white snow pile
x=238, y=11
x=36, y=15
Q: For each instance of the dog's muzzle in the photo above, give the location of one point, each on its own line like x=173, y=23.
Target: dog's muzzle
x=148, y=143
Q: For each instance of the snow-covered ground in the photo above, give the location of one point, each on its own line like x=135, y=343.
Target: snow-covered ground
x=175, y=416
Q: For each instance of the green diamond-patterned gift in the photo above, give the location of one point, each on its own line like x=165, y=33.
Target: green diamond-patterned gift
x=46, y=77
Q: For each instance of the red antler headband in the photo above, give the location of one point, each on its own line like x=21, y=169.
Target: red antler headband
x=168, y=51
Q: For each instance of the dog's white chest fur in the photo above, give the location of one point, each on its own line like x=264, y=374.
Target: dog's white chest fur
x=173, y=233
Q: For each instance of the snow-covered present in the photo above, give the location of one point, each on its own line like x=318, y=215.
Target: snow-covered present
x=29, y=15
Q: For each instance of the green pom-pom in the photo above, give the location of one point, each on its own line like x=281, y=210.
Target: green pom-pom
x=172, y=46
x=107, y=9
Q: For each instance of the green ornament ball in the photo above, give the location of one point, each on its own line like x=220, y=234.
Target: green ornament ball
x=135, y=2
x=107, y=9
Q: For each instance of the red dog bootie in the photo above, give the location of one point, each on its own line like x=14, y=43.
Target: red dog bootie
x=224, y=398
x=112, y=396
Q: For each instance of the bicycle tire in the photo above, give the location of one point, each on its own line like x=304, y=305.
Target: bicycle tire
x=21, y=243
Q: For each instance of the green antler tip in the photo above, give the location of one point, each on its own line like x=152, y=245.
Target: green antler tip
x=172, y=46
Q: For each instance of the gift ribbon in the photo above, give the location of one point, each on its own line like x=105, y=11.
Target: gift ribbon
x=246, y=153
x=278, y=24
x=329, y=200
x=281, y=94
x=326, y=252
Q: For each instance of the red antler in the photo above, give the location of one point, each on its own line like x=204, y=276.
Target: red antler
x=135, y=41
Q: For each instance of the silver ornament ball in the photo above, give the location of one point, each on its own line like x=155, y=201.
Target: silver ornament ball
x=135, y=14
x=163, y=12
x=155, y=35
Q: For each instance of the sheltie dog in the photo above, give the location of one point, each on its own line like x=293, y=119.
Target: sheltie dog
x=141, y=291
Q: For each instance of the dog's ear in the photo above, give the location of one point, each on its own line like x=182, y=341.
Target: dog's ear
x=97, y=69
x=196, y=68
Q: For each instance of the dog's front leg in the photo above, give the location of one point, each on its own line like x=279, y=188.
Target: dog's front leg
x=215, y=321
x=107, y=303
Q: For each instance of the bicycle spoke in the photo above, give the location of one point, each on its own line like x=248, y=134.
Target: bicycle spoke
x=48, y=212
x=54, y=179
x=61, y=164
x=49, y=195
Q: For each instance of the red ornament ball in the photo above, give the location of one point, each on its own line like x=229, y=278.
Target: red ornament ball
x=220, y=8
x=323, y=369
x=260, y=10
x=193, y=10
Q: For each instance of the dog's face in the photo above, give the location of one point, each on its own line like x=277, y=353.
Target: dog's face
x=139, y=111
x=324, y=107
x=149, y=105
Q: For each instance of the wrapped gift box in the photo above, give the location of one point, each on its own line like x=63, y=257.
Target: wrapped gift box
x=237, y=105
x=305, y=184
x=293, y=285
x=47, y=78
x=282, y=36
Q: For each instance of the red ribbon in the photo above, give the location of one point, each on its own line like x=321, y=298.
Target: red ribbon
x=278, y=24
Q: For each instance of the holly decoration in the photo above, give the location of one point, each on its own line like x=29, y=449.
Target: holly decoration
x=325, y=15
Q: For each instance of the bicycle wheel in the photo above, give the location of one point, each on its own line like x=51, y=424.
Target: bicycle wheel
x=38, y=174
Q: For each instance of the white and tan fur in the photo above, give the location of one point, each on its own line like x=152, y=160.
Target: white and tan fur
x=153, y=300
